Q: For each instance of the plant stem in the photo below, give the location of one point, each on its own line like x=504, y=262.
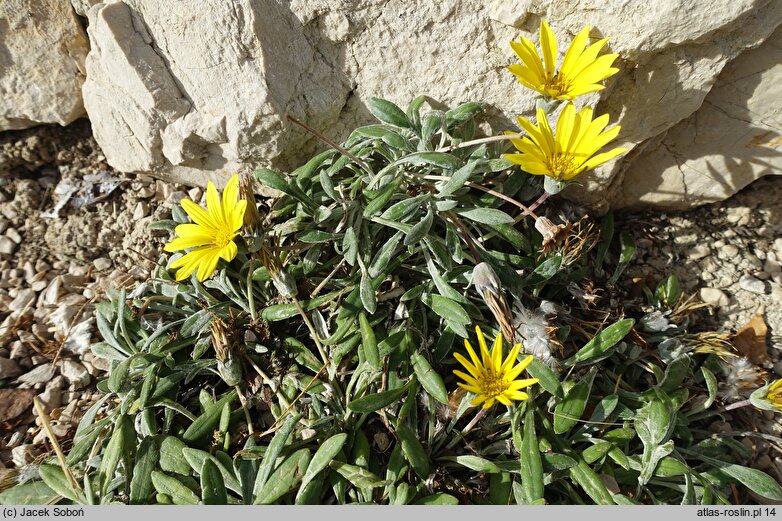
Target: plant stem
x=333, y=145
x=533, y=207
x=490, y=139
x=57, y=449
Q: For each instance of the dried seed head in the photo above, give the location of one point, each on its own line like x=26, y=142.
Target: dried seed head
x=489, y=288
x=252, y=219
x=228, y=364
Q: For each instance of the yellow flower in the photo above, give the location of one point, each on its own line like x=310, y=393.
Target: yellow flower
x=579, y=74
x=774, y=394
x=490, y=377
x=212, y=235
x=569, y=152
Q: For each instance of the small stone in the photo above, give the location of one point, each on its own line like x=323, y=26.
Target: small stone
x=175, y=197
x=764, y=462
x=195, y=194
x=7, y=246
x=714, y=296
x=23, y=455
x=753, y=285
x=776, y=295
x=729, y=252
x=76, y=374
x=41, y=374
x=53, y=290
x=699, y=251
x=51, y=397
x=771, y=265
x=42, y=266
x=762, y=275
x=39, y=285
x=12, y=234
x=24, y=299
x=102, y=263
x=778, y=246
x=145, y=192
x=141, y=211
x=9, y=368
x=778, y=368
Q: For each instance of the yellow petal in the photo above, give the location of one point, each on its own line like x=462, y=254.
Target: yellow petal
x=228, y=252
x=485, y=357
x=467, y=378
x=198, y=214
x=213, y=205
x=521, y=384
x=469, y=388
x=514, y=352
x=208, y=264
x=230, y=196
x=517, y=395
x=496, y=353
x=473, y=370
x=489, y=402
x=526, y=52
x=190, y=241
x=548, y=44
x=604, y=157
x=546, y=132
x=583, y=88
x=574, y=51
x=525, y=76
x=471, y=352
x=588, y=148
x=504, y=400
x=598, y=70
x=528, y=164
x=586, y=58
x=565, y=125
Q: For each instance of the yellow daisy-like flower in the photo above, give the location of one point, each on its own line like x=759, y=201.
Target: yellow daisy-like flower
x=774, y=394
x=579, y=74
x=491, y=378
x=212, y=235
x=568, y=152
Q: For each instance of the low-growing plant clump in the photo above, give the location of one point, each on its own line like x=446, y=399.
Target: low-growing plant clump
x=404, y=325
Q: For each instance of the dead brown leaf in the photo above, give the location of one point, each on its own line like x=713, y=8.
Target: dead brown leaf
x=750, y=340
x=14, y=402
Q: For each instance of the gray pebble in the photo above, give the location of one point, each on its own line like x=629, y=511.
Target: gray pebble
x=753, y=285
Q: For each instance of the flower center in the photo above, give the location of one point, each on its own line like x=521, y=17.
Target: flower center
x=222, y=238
x=557, y=84
x=493, y=384
x=562, y=165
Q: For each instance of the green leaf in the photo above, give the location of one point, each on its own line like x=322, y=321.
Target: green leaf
x=596, y=451
x=548, y=379
x=464, y=112
x=170, y=486
x=668, y=291
x=602, y=342
x=438, y=159
x=429, y=379
x=757, y=481
x=375, y=402
x=448, y=309
x=56, y=480
x=486, y=216
x=382, y=197
x=326, y=452
x=531, y=464
x=368, y=294
x=212, y=486
x=285, y=478
x=202, y=428
x=273, y=452
x=147, y=459
x=196, y=323
x=359, y=476
x=387, y=112
x=317, y=236
x=568, y=412
x=420, y=229
x=274, y=180
x=606, y=234
x=414, y=451
x=29, y=493
x=171, y=456
x=711, y=385
x=197, y=458
x=369, y=342
x=675, y=374
x=477, y=464
x=626, y=254
x=457, y=180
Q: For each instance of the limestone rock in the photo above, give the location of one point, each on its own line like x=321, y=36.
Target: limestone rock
x=729, y=142
x=197, y=89
x=42, y=51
